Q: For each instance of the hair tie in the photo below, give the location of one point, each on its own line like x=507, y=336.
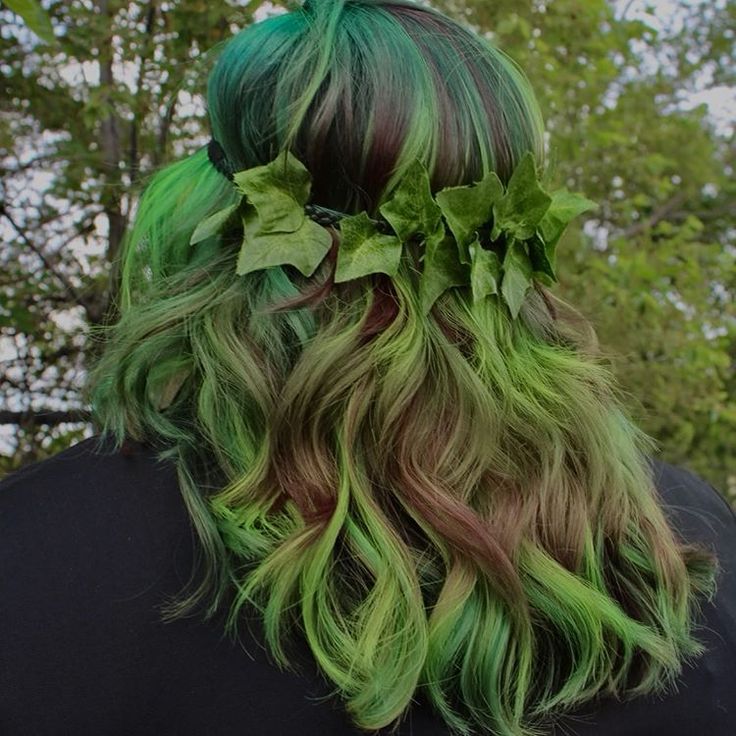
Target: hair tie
x=218, y=158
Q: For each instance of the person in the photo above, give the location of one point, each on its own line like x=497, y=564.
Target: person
x=356, y=467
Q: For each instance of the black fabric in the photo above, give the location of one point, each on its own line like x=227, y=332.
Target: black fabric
x=90, y=542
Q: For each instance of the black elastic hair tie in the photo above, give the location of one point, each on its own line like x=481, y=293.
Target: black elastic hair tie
x=218, y=158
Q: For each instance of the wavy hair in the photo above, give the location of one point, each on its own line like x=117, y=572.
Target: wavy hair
x=456, y=503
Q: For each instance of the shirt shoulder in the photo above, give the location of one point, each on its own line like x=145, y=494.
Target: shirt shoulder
x=90, y=494
x=94, y=541
x=698, y=511
x=88, y=534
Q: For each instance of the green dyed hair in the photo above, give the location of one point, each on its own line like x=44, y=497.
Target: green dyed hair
x=456, y=503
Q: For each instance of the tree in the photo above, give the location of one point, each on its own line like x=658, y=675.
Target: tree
x=86, y=117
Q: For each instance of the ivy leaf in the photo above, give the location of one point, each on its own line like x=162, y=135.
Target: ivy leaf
x=466, y=208
x=363, y=249
x=542, y=256
x=523, y=205
x=441, y=268
x=564, y=207
x=411, y=210
x=34, y=16
x=517, y=276
x=485, y=271
x=303, y=248
x=211, y=225
x=278, y=191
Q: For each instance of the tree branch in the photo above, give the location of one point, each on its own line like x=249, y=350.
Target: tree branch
x=163, y=132
x=49, y=418
x=658, y=215
x=625, y=11
x=51, y=267
x=111, y=152
x=133, y=152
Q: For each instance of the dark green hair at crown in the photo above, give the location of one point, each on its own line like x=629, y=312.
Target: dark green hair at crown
x=372, y=90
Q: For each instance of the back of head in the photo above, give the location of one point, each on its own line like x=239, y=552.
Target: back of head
x=450, y=499
x=359, y=89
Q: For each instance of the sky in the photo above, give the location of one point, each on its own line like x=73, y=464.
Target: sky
x=660, y=14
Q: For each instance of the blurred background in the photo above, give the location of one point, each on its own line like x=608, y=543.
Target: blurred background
x=640, y=102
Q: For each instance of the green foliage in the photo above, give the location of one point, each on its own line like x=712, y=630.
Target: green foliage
x=34, y=17
x=441, y=268
x=276, y=230
x=278, y=191
x=466, y=208
x=563, y=208
x=364, y=250
x=522, y=207
x=304, y=247
x=485, y=271
x=517, y=275
x=210, y=226
x=412, y=210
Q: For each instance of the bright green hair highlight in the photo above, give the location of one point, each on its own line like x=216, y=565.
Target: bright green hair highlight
x=455, y=503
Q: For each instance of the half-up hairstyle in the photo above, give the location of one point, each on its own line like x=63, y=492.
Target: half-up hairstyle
x=454, y=503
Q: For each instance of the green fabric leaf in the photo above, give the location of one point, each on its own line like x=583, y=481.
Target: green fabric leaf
x=485, y=271
x=277, y=231
x=523, y=205
x=34, y=17
x=543, y=278
x=304, y=248
x=211, y=225
x=564, y=207
x=441, y=268
x=466, y=208
x=363, y=249
x=411, y=209
x=542, y=256
x=517, y=276
x=278, y=191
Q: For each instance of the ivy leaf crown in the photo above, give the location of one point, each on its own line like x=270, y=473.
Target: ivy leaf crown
x=493, y=238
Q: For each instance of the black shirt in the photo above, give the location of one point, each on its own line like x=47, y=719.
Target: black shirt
x=91, y=541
